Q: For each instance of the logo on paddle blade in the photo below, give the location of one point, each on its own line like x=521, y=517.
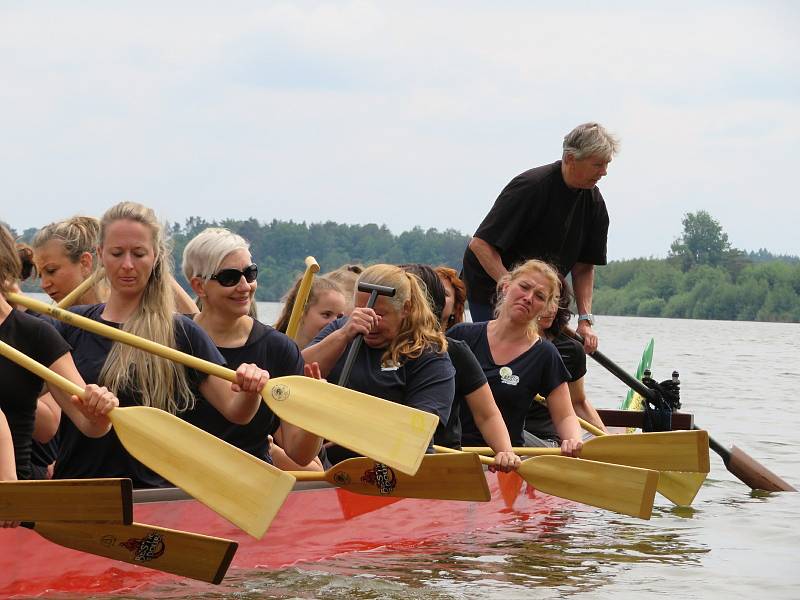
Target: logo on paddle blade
x=382, y=477
x=280, y=392
x=145, y=549
x=341, y=478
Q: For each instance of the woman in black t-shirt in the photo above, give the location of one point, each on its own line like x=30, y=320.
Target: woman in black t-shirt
x=20, y=388
x=220, y=269
x=518, y=363
x=134, y=253
x=404, y=356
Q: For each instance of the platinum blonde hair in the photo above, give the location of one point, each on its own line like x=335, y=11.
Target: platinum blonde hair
x=590, y=139
x=156, y=381
x=205, y=252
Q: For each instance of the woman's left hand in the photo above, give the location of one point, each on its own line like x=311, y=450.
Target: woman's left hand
x=312, y=370
x=250, y=378
x=505, y=462
x=571, y=448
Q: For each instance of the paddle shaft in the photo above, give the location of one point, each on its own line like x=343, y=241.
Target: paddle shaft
x=374, y=292
x=302, y=297
x=751, y=473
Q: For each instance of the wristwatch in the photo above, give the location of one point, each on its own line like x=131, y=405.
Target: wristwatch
x=587, y=317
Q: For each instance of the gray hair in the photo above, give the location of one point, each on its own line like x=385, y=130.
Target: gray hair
x=205, y=252
x=590, y=139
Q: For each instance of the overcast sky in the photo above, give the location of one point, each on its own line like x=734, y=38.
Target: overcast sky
x=401, y=113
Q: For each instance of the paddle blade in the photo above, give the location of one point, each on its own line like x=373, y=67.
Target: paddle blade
x=440, y=476
x=680, y=488
x=662, y=451
x=182, y=553
x=754, y=474
x=386, y=432
x=626, y=490
x=243, y=489
x=99, y=500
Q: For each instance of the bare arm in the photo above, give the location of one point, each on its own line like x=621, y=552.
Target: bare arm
x=565, y=421
x=8, y=466
x=328, y=350
x=88, y=414
x=48, y=416
x=183, y=301
x=489, y=258
x=297, y=448
x=492, y=427
x=583, y=408
x=583, y=284
x=238, y=402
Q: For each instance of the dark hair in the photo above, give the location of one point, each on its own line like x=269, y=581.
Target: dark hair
x=433, y=286
x=25, y=253
x=564, y=313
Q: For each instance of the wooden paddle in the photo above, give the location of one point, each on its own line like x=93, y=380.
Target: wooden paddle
x=82, y=288
x=442, y=477
x=388, y=432
x=243, y=489
x=102, y=500
x=179, y=552
x=626, y=490
x=739, y=463
x=302, y=297
x=662, y=451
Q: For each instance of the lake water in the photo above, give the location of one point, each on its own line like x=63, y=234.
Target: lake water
x=739, y=379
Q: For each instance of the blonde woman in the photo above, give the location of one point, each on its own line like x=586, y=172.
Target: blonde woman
x=520, y=364
x=326, y=303
x=218, y=264
x=134, y=253
x=404, y=358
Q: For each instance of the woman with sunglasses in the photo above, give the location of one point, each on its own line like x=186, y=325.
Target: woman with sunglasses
x=218, y=265
x=455, y=297
x=133, y=250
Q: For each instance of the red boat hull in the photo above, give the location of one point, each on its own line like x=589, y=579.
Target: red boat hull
x=314, y=523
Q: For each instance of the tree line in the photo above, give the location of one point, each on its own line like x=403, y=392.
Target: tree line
x=703, y=276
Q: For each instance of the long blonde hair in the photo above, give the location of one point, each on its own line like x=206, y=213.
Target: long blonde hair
x=419, y=328
x=77, y=234
x=158, y=382
x=529, y=266
x=10, y=264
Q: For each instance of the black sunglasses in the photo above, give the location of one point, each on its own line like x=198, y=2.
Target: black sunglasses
x=230, y=277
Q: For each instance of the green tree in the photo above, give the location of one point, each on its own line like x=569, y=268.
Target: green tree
x=703, y=242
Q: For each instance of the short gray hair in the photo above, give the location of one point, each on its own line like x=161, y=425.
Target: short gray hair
x=590, y=139
x=206, y=251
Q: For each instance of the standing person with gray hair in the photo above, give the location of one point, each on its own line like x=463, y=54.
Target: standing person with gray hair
x=554, y=213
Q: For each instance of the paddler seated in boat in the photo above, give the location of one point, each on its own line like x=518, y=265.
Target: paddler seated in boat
x=404, y=355
x=20, y=388
x=472, y=388
x=455, y=297
x=218, y=265
x=519, y=363
x=346, y=277
x=551, y=325
x=326, y=303
x=133, y=250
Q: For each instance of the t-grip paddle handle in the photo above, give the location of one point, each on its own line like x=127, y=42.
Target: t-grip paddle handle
x=374, y=291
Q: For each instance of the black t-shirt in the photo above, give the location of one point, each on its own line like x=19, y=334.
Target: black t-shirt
x=19, y=388
x=574, y=357
x=538, y=216
x=426, y=383
x=469, y=377
x=80, y=456
x=270, y=350
x=538, y=370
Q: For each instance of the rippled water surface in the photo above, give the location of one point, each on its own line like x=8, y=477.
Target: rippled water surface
x=741, y=382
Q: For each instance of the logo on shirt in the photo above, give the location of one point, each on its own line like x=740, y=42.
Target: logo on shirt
x=507, y=376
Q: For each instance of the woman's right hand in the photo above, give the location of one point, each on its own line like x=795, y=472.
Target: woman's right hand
x=361, y=322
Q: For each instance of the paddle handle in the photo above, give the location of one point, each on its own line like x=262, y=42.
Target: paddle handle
x=312, y=267
x=37, y=368
x=124, y=337
x=79, y=291
x=374, y=292
x=444, y=450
